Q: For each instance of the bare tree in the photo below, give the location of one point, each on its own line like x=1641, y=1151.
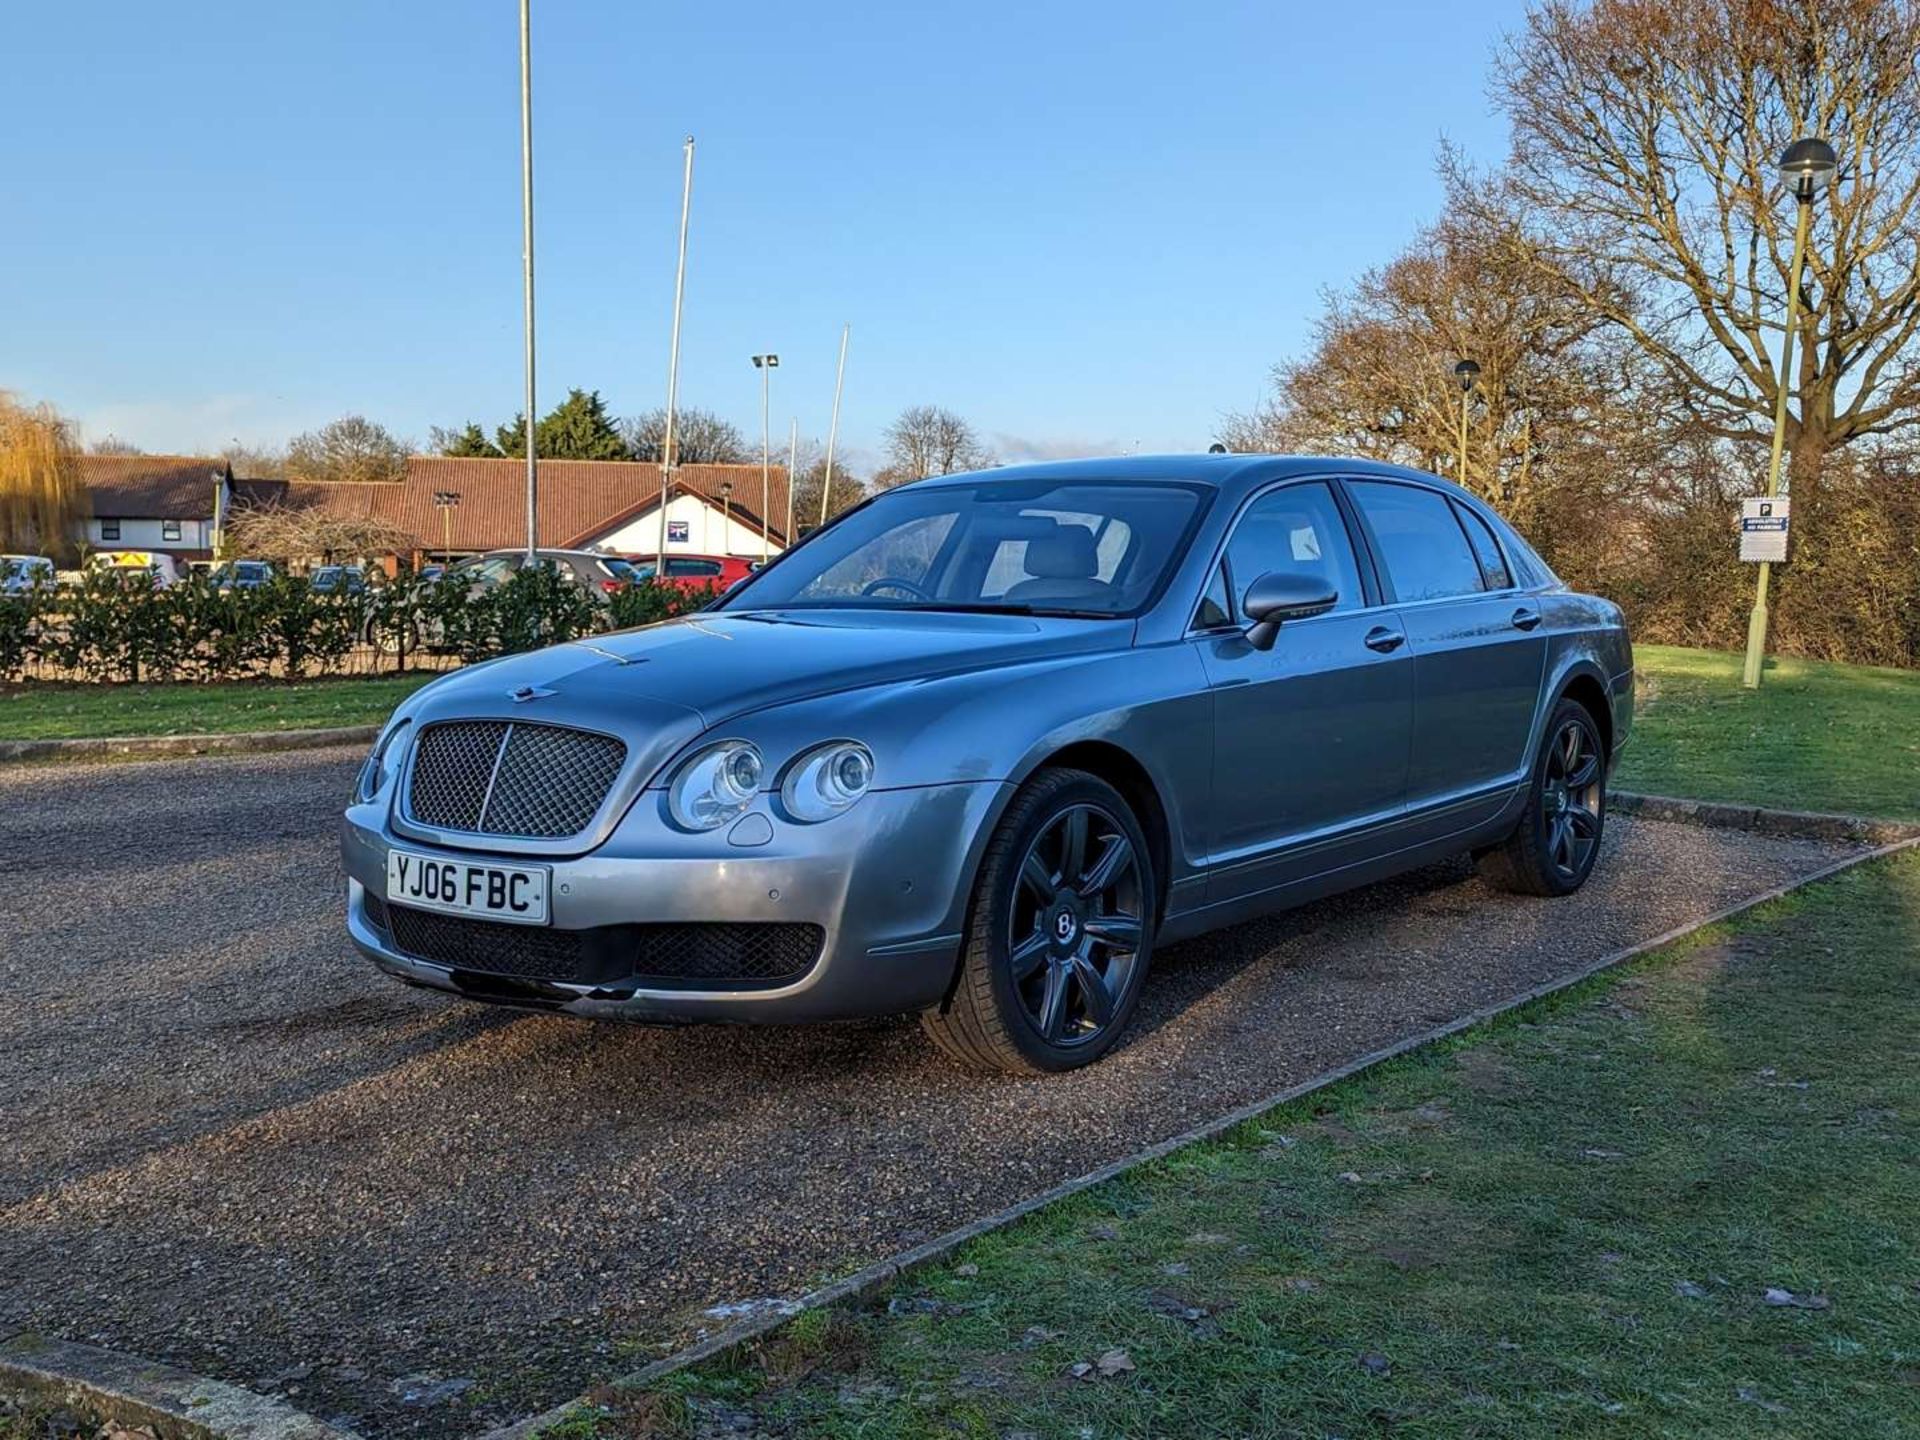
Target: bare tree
x=700, y=437
x=294, y=535
x=1645, y=139
x=928, y=440
x=810, y=474
x=1379, y=380
x=352, y=449
x=114, y=445
x=254, y=462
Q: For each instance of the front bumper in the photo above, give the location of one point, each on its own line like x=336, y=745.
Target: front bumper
x=887, y=883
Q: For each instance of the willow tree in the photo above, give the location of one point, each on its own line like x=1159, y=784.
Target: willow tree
x=43, y=506
x=1646, y=135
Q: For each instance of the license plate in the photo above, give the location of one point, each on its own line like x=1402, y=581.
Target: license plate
x=516, y=894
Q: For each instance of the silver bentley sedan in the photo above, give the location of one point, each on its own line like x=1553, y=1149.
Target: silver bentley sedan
x=977, y=747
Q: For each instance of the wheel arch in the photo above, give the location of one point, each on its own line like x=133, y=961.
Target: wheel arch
x=1585, y=688
x=1121, y=769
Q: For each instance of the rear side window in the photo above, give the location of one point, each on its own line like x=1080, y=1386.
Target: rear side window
x=1486, y=549
x=685, y=568
x=1422, y=545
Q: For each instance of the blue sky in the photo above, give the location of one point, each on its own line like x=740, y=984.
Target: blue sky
x=1084, y=226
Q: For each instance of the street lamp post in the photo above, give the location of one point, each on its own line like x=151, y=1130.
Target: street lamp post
x=766, y=365
x=1466, y=372
x=1807, y=168
x=726, y=517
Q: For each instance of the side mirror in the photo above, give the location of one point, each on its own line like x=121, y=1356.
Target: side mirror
x=1282, y=595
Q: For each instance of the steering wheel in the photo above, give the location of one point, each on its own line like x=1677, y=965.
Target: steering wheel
x=889, y=582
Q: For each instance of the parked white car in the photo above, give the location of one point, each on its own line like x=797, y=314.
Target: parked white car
x=163, y=567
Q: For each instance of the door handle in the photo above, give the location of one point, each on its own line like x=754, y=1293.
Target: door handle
x=1384, y=640
x=1525, y=619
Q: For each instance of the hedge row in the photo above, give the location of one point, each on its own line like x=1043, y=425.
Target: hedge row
x=117, y=626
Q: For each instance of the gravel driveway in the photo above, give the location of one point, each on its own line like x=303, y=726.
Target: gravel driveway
x=228, y=1143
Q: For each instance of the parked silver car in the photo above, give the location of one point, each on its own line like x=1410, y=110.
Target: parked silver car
x=978, y=746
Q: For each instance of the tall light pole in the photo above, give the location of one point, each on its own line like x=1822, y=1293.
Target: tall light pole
x=673, y=362
x=1807, y=168
x=1466, y=372
x=526, y=263
x=766, y=365
x=446, y=501
x=726, y=517
x=833, y=429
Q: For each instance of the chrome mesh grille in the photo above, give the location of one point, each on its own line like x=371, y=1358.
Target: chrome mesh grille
x=496, y=777
x=452, y=771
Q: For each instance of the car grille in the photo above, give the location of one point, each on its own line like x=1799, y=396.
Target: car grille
x=499, y=777
x=721, y=953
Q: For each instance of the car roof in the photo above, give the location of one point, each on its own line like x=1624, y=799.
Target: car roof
x=1233, y=473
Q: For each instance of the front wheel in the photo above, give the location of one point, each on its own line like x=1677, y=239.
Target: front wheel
x=1552, y=850
x=1059, y=933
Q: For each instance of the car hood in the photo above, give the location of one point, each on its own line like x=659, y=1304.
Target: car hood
x=722, y=665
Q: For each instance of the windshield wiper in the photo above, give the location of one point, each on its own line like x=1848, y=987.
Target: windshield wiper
x=982, y=608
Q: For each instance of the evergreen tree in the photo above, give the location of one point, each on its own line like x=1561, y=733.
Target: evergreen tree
x=470, y=442
x=578, y=428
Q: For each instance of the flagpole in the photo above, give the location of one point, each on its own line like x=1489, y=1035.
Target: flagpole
x=673, y=363
x=526, y=263
x=833, y=430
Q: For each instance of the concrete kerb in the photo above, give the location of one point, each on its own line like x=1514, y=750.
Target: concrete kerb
x=863, y=1284
x=250, y=742
x=177, y=1404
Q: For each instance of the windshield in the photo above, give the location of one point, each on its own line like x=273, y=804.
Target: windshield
x=1022, y=547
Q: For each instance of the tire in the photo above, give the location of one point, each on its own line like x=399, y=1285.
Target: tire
x=1061, y=996
x=1552, y=850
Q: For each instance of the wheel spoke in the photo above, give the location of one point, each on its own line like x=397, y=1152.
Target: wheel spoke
x=1093, y=989
x=1108, y=869
x=1053, y=1002
x=1073, y=845
x=1036, y=877
x=1569, y=749
x=1121, y=932
x=1583, y=823
x=1588, y=772
x=1560, y=842
x=1028, y=956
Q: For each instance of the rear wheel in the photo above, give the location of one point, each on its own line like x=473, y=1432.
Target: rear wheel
x=1552, y=850
x=1059, y=933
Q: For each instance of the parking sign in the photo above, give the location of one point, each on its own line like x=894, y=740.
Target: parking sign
x=1763, y=528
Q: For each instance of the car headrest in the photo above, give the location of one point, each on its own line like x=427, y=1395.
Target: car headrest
x=1067, y=554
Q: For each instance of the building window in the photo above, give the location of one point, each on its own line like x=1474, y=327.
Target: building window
x=109, y=529
x=169, y=529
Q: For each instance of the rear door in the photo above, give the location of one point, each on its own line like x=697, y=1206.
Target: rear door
x=1310, y=737
x=1477, y=648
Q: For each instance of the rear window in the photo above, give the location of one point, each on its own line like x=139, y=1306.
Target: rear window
x=1486, y=549
x=1421, y=543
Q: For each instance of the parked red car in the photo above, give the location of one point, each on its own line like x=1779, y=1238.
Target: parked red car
x=695, y=572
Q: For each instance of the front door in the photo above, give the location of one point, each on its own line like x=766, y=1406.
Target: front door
x=1477, y=645
x=1310, y=737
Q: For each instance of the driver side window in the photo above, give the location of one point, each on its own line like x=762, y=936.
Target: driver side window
x=1297, y=529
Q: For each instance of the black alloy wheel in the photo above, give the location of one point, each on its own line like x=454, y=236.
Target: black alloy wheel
x=1553, y=848
x=1059, y=933
x=1074, y=925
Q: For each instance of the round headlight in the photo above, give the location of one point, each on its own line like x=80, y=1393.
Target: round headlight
x=715, y=786
x=375, y=772
x=827, y=780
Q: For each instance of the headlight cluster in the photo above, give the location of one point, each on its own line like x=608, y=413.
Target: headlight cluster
x=374, y=773
x=717, y=784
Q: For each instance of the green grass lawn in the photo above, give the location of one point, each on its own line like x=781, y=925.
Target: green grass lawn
x=64, y=712
x=1814, y=736
x=1680, y=1200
